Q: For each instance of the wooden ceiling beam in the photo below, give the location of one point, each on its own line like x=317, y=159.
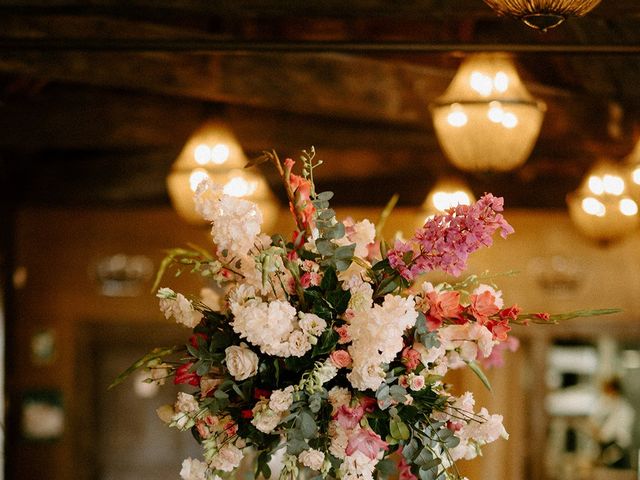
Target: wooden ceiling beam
x=299, y=8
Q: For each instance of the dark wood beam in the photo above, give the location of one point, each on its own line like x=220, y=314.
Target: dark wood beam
x=299, y=8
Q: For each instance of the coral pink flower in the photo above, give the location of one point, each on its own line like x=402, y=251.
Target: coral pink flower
x=301, y=188
x=366, y=442
x=510, y=313
x=483, y=306
x=340, y=358
x=442, y=305
x=543, y=316
x=349, y=417
x=410, y=358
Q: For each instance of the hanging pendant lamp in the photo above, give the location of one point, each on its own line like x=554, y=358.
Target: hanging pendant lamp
x=542, y=14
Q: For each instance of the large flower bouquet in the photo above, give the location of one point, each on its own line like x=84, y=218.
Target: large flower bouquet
x=324, y=347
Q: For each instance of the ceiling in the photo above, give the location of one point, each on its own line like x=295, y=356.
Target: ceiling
x=97, y=97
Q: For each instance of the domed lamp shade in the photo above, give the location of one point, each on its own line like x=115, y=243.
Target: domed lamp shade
x=445, y=194
x=214, y=152
x=543, y=14
x=633, y=172
x=486, y=119
x=601, y=207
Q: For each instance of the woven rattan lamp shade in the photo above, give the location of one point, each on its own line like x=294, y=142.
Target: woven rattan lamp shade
x=543, y=14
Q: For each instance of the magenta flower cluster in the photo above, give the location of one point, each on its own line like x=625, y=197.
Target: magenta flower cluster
x=445, y=241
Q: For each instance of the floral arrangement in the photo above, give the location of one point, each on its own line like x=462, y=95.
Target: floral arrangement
x=326, y=348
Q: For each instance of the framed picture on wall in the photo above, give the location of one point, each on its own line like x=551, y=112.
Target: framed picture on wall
x=42, y=415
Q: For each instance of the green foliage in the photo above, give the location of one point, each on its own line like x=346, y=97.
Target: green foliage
x=154, y=355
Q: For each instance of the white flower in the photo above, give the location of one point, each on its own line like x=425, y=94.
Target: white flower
x=416, y=382
x=339, y=396
x=363, y=234
x=312, y=458
x=235, y=221
x=241, y=362
x=366, y=374
x=265, y=419
x=228, y=458
x=312, y=324
x=186, y=403
x=326, y=372
x=177, y=306
x=339, y=440
x=281, y=400
x=298, y=343
x=193, y=469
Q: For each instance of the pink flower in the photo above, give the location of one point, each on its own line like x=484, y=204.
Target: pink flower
x=417, y=383
x=410, y=358
x=442, y=305
x=340, y=358
x=343, y=332
x=301, y=188
x=404, y=469
x=366, y=442
x=483, y=306
x=496, y=359
x=543, y=316
x=510, y=313
x=445, y=241
x=349, y=417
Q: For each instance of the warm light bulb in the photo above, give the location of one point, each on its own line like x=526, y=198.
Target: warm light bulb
x=613, y=184
x=197, y=176
x=443, y=201
x=239, y=187
x=509, y=120
x=594, y=207
x=636, y=176
x=202, y=154
x=457, y=118
x=219, y=154
x=495, y=112
x=628, y=207
x=481, y=83
x=501, y=82
x=596, y=185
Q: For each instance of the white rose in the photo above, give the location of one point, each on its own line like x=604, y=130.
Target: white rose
x=312, y=324
x=298, y=343
x=227, y=458
x=242, y=363
x=186, y=403
x=193, y=469
x=312, y=458
x=281, y=400
x=266, y=420
x=416, y=382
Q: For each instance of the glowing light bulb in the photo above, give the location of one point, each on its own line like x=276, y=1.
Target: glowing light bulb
x=596, y=185
x=613, y=184
x=239, y=187
x=509, y=120
x=197, y=176
x=219, y=154
x=495, y=112
x=628, y=207
x=594, y=207
x=202, y=154
x=461, y=198
x=501, y=82
x=457, y=118
x=481, y=83
x=636, y=176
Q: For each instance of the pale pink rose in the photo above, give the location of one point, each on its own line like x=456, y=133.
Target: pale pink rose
x=340, y=358
x=366, y=442
x=314, y=459
x=417, y=383
x=343, y=332
x=349, y=417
